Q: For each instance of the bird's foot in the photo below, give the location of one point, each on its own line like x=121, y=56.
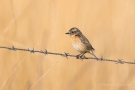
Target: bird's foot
x=80, y=57
x=97, y=58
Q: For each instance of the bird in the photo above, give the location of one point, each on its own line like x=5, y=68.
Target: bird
x=80, y=42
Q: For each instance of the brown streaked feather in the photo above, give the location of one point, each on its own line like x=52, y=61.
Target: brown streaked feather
x=85, y=41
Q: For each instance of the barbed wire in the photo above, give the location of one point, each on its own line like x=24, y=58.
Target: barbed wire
x=45, y=52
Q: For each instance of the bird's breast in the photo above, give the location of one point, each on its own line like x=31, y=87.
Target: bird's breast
x=77, y=44
x=74, y=39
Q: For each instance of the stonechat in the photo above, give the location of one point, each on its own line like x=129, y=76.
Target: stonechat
x=80, y=42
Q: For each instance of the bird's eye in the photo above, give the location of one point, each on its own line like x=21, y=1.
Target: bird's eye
x=72, y=32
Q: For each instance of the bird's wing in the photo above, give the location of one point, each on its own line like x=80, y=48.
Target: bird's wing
x=86, y=42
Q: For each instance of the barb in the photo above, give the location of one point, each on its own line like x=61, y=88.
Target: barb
x=119, y=61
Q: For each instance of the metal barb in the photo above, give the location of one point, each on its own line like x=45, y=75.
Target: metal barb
x=101, y=58
x=120, y=61
x=32, y=51
x=12, y=48
x=45, y=52
x=65, y=55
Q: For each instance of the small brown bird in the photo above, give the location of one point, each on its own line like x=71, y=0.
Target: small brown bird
x=80, y=42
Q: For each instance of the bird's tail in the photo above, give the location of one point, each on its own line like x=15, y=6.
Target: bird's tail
x=92, y=53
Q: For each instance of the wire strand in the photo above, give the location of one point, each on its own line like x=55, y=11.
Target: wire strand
x=45, y=52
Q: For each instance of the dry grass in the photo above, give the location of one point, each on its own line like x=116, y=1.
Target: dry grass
x=108, y=24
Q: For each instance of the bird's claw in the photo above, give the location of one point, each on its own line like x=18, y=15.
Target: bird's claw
x=96, y=58
x=80, y=57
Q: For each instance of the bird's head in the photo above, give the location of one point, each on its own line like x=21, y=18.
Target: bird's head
x=74, y=31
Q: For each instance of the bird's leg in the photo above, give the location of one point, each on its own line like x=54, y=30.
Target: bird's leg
x=81, y=56
x=78, y=56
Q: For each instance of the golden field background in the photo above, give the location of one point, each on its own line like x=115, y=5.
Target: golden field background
x=108, y=24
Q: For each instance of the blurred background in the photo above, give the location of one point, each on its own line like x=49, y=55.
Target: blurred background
x=108, y=24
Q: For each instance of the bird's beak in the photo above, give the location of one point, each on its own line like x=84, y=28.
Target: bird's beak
x=67, y=33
